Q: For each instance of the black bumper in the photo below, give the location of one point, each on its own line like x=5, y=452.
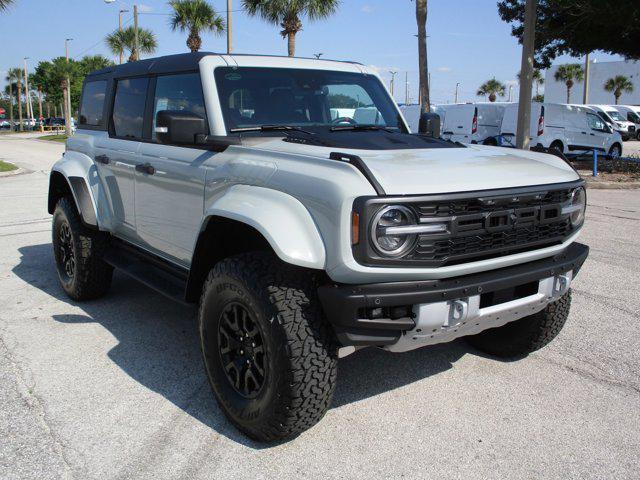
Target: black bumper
x=343, y=304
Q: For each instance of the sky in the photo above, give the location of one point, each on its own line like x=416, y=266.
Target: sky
x=468, y=42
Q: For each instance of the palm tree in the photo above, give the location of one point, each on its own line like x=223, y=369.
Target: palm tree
x=195, y=16
x=4, y=4
x=12, y=78
x=16, y=75
x=569, y=73
x=61, y=71
x=617, y=85
x=492, y=88
x=287, y=13
x=421, y=18
x=537, y=78
x=124, y=40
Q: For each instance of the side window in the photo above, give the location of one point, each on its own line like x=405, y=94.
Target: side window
x=178, y=92
x=128, y=107
x=595, y=122
x=92, y=105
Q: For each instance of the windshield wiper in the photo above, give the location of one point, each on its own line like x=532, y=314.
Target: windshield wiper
x=359, y=128
x=271, y=128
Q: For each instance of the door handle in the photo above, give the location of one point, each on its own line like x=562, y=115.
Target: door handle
x=102, y=159
x=146, y=168
x=592, y=134
x=584, y=133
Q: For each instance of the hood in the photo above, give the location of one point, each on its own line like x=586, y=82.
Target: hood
x=445, y=170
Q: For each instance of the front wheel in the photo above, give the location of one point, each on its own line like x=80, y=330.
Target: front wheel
x=270, y=356
x=519, y=338
x=615, y=151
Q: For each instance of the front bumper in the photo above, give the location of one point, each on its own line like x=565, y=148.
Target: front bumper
x=436, y=309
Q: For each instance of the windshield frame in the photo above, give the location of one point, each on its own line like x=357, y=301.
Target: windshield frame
x=378, y=94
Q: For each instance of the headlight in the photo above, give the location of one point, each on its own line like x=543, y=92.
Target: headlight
x=576, y=207
x=386, y=237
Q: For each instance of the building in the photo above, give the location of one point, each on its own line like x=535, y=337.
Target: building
x=600, y=72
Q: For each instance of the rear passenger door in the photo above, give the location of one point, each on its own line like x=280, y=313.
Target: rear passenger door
x=169, y=196
x=598, y=131
x=117, y=155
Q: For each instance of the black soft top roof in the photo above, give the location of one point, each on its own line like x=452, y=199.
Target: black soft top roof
x=169, y=63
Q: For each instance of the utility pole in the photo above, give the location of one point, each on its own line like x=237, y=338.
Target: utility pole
x=228, y=27
x=393, y=81
x=318, y=55
x=456, y=95
x=585, y=92
x=120, y=29
x=526, y=76
x=67, y=117
x=510, y=90
x=406, y=88
x=135, y=31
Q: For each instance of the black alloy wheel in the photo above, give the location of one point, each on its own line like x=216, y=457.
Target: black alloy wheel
x=242, y=351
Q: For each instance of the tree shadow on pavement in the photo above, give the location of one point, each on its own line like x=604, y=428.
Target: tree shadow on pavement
x=158, y=346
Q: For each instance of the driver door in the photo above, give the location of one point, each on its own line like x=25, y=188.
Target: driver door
x=598, y=132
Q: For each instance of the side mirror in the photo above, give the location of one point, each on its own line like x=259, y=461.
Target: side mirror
x=429, y=125
x=179, y=127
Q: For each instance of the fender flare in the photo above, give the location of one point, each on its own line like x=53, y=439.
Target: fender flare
x=280, y=218
x=81, y=177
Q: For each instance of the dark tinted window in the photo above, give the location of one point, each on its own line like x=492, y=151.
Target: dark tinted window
x=128, y=108
x=92, y=103
x=178, y=92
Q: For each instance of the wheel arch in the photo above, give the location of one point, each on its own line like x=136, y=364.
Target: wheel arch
x=60, y=186
x=248, y=218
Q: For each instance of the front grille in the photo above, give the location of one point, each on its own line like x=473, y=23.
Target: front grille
x=488, y=245
x=480, y=225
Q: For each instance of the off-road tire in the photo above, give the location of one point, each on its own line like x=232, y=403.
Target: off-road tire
x=301, y=355
x=519, y=338
x=92, y=276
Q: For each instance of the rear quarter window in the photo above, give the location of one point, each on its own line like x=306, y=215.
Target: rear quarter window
x=92, y=106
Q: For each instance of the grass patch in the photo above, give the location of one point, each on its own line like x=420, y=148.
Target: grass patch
x=54, y=138
x=7, y=167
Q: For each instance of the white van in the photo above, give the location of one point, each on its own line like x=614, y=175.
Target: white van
x=632, y=114
x=471, y=122
x=565, y=128
x=616, y=121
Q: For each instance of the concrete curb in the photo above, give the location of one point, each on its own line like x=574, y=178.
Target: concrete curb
x=11, y=173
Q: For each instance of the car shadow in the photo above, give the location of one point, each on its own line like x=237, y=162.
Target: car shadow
x=158, y=346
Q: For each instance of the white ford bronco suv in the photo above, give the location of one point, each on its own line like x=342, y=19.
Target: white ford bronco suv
x=287, y=197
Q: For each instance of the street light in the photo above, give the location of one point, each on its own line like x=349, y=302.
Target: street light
x=456, y=97
x=393, y=81
x=135, y=26
x=318, y=55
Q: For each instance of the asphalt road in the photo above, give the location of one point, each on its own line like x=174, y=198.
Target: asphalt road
x=115, y=388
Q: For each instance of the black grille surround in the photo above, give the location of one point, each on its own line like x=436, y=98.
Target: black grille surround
x=480, y=225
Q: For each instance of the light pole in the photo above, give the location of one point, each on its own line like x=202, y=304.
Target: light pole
x=228, y=27
x=456, y=95
x=318, y=55
x=510, y=89
x=135, y=27
x=26, y=90
x=393, y=81
x=406, y=88
x=67, y=119
x=122, y=10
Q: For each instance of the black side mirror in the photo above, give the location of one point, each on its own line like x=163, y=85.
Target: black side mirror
x=179, y=127
x=429, y=125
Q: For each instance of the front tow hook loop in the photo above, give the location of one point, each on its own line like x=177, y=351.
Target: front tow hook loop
x=458, y=312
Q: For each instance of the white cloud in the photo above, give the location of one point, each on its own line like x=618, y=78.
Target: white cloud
x=443, y=69
x=367, y=9
x=515, y=83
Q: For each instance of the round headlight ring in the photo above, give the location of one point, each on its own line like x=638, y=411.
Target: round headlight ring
x=396, y=245
x=578, y=198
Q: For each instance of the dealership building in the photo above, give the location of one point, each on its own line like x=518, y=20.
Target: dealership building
x=600, y=72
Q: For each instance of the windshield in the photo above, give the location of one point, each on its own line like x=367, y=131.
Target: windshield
x=615, y=115
x=254, y=97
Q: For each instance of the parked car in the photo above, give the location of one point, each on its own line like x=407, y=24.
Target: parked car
x=301, y=238
x=632, y=114
x=471, y=122
x=5, y=124
x=616, y=121
x=564, y=128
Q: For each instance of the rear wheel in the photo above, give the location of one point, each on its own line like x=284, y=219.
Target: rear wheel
x=78, y=252
x=556, y=147
x=519, y=338
x=269, y=354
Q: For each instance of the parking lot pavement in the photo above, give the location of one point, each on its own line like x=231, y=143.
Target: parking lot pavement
x=115, y=388
x=632, y=147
